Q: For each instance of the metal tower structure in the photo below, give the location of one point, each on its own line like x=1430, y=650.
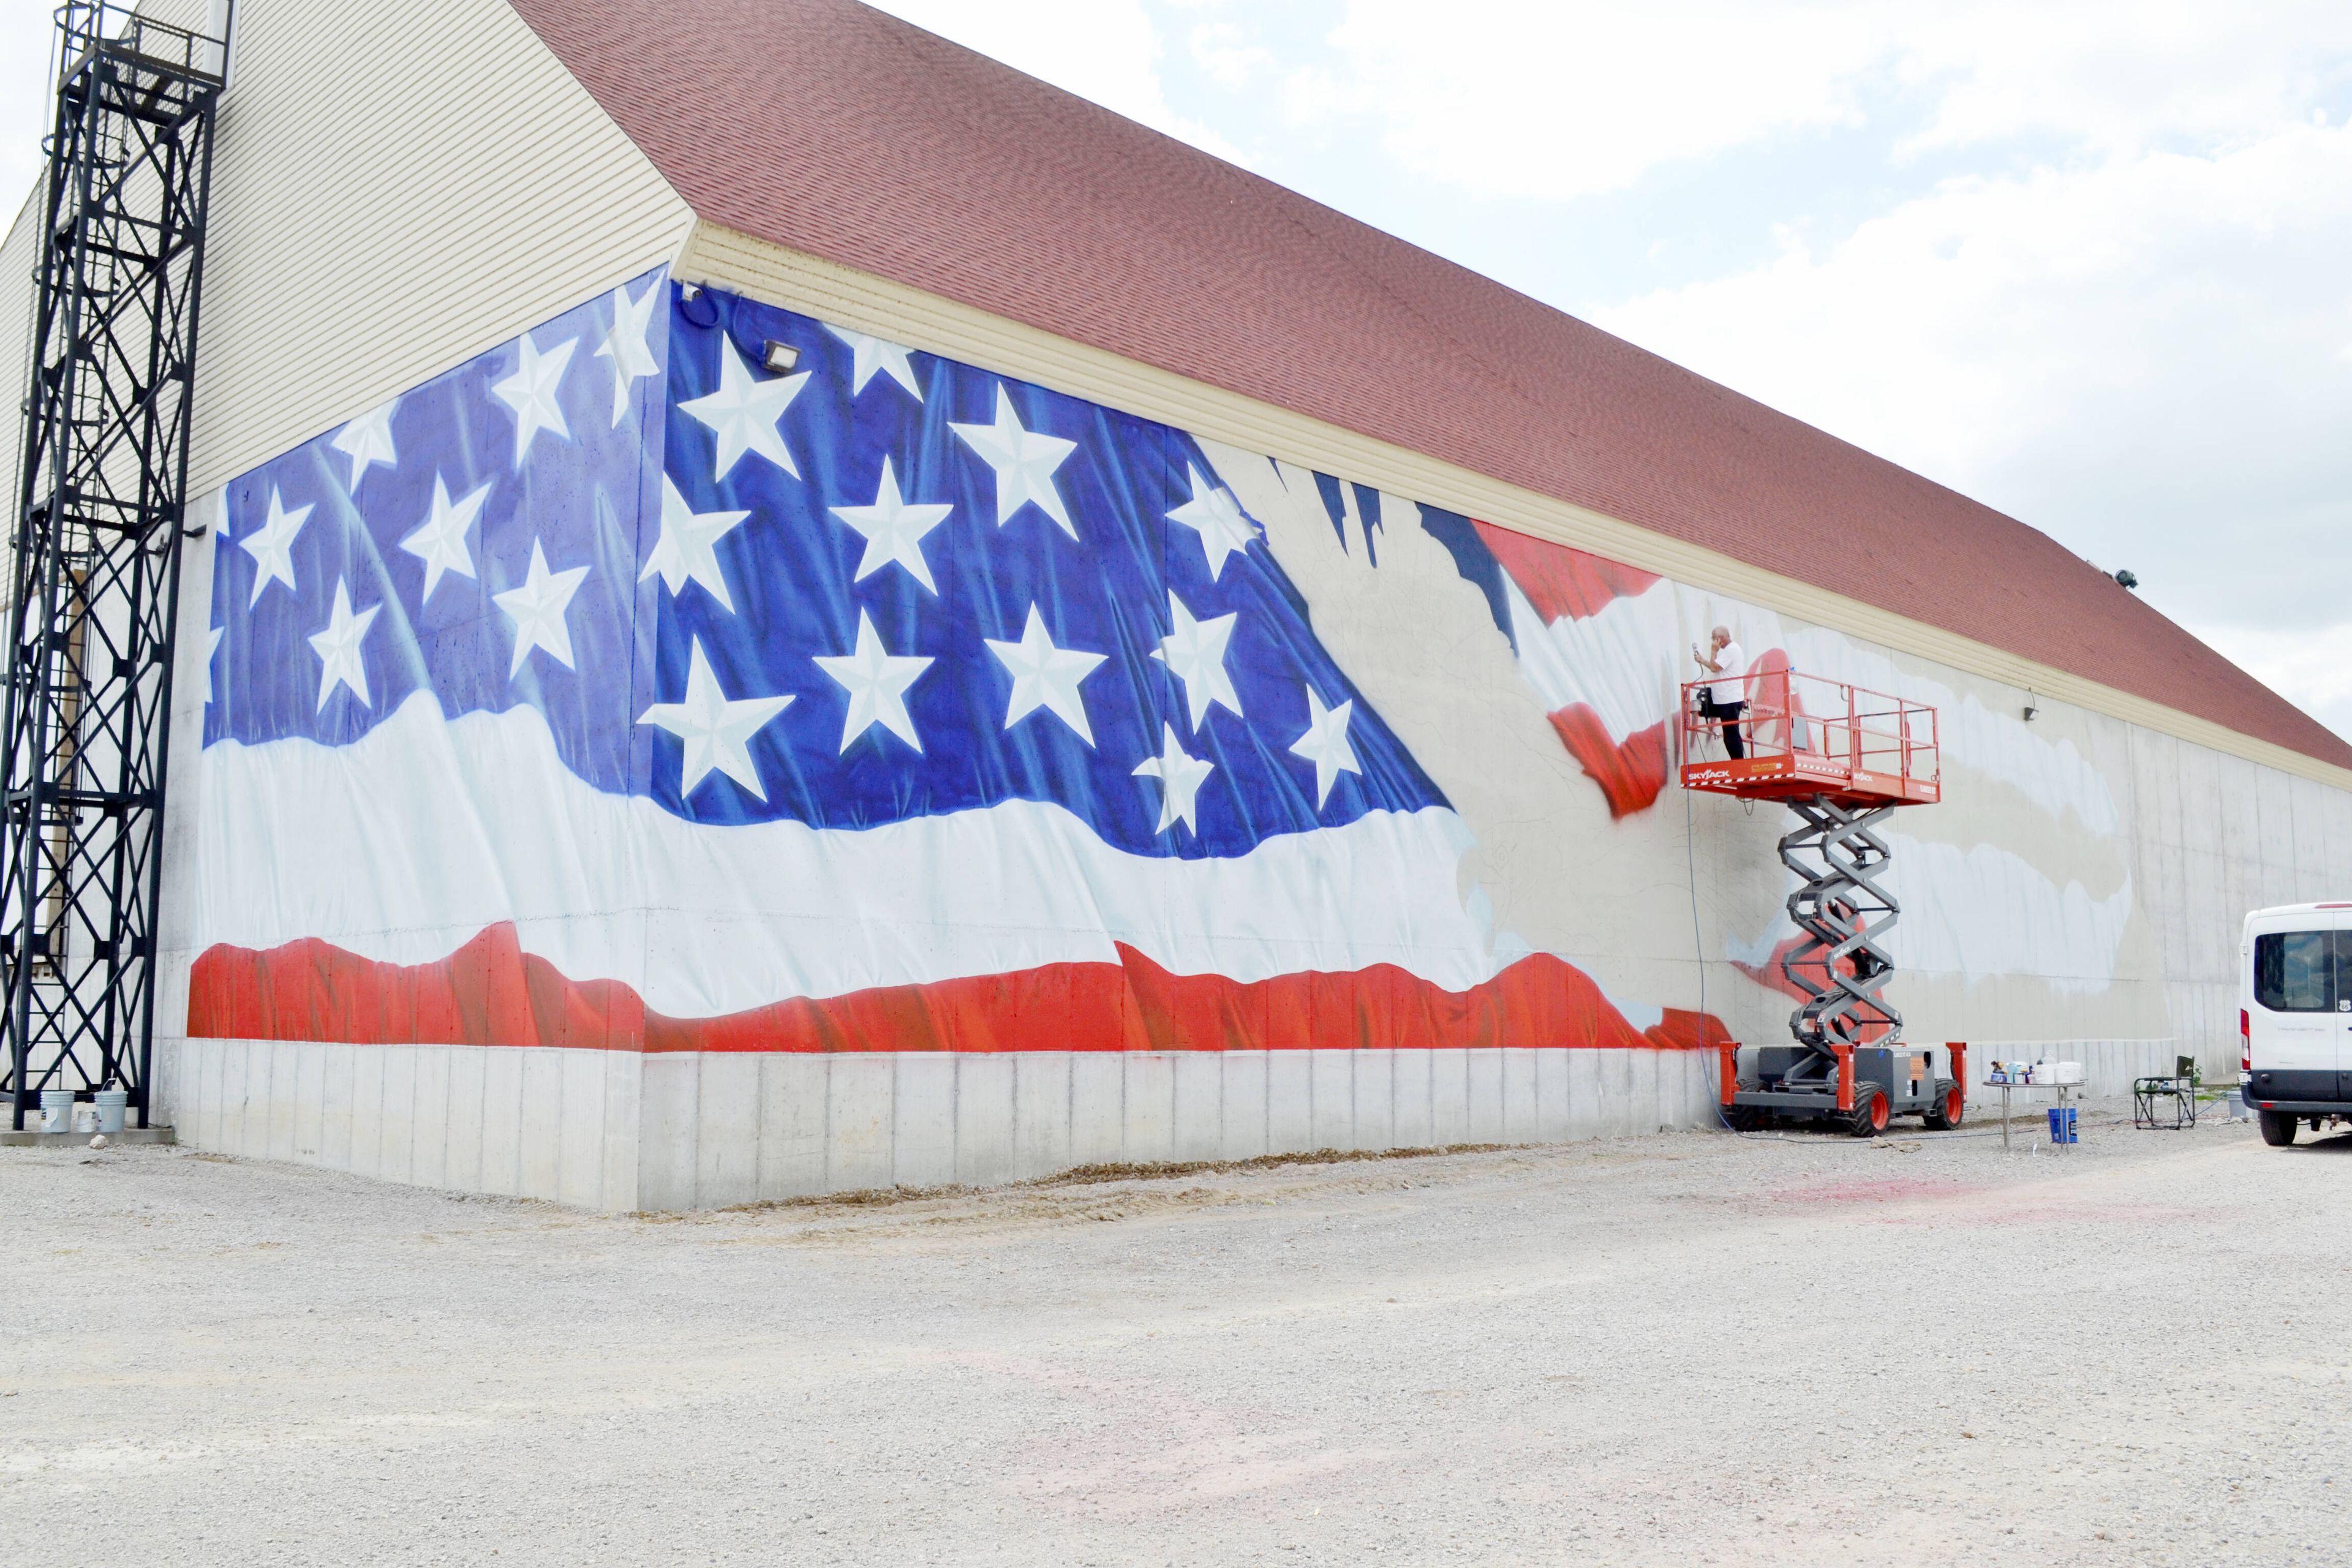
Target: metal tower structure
x=94, y=589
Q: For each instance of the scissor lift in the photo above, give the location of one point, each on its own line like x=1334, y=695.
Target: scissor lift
x=1842, y=759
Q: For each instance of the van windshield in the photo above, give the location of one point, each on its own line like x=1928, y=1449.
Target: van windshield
x=2295, y=971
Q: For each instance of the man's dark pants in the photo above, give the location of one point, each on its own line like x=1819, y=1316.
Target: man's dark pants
x=1729, y=713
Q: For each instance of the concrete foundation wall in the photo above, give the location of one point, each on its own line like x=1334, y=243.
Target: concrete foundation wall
x=520, y=1121
x=614, y=1130
x=620, y=1131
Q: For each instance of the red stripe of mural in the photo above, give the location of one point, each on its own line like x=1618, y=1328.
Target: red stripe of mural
x=1562, y=583
x=1631, y=773
x=490, y=992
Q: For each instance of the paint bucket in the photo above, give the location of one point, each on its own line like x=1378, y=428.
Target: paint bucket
x=111, y=1103
x=56, y=1109
x=2062, y=1124
x=85, y=1119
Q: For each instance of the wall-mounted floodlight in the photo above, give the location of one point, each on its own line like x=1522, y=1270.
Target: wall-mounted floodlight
x=2032, y=708
x=779, y=357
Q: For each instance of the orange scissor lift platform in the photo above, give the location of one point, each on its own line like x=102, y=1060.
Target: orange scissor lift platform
x=1840, y=757
x=1804, y=735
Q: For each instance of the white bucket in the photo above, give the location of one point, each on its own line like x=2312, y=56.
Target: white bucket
x=56, y=1109
x=85, y=1119
x=111, y=1103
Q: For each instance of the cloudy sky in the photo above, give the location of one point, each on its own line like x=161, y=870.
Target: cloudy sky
x=2091, y=264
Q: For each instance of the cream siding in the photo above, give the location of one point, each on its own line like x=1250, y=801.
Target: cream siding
x=398, y=186
x=20, y=258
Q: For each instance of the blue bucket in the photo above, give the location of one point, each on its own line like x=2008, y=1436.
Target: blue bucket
x=2062, y=1124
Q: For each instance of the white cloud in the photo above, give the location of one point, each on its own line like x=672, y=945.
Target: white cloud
x=1225, y=51
x=1527, y=98
x=2121, y=75
x=2147, y=350
x=1106, y=51
x=1508, y=97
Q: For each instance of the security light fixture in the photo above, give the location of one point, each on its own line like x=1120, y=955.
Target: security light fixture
x=2032, y=708
x=779, y=357
x=2128, y=578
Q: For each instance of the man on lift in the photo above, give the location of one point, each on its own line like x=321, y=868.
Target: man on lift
x=1726, y=696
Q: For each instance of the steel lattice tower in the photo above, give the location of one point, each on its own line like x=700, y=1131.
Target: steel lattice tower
x=95, y=585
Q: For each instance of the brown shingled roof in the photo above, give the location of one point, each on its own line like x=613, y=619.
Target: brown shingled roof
x=833, y=130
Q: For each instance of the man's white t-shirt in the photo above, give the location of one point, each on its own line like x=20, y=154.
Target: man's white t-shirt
x=1729, y=686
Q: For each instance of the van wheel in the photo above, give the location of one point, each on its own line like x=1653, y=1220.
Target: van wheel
x=2279, y=1130
x=1947, y=1109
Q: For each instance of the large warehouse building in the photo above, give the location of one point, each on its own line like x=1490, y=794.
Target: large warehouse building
x=780, y=608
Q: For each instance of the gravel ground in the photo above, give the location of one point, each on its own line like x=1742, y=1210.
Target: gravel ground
x=1680, y=1349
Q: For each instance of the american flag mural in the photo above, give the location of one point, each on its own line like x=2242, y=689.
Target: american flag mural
x=689, y=674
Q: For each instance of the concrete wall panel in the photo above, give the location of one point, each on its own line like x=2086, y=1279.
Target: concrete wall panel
x=987, y=1118
x=1242, y=1080
x=793, y=1098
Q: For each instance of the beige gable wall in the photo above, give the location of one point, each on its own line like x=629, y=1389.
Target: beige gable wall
x=398, y=186
x=20, y=257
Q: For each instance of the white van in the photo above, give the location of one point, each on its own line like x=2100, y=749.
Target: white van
x=2294, y=1017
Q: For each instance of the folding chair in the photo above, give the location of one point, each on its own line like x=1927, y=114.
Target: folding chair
x=2152, y=1096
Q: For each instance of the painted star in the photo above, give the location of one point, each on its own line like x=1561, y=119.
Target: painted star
x=531, y=392
x=626, y=344
x=1217, y=518
x=745, y=411
x=212, y=648
x=1180, y=779
x=716, y=731
x=367, y=441
x=537, y=609
x=876, y=682
x=870, y=355
x=440, y=543
x=1046, y=677
x=338, y=649
x=1024, y=462
x=271, y=546
x=1326, y=744
x=893, y=529
x=687, y=551
x=1194, y=652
